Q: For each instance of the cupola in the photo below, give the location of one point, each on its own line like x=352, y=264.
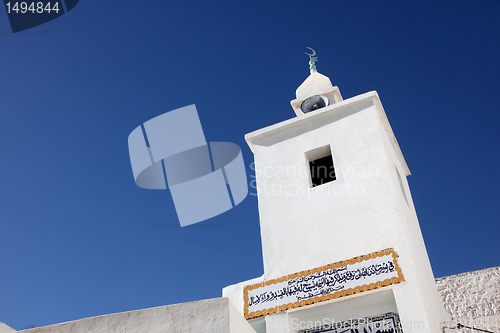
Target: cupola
x=315, y=92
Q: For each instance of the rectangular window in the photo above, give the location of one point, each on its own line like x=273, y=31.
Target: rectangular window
x=321, y=166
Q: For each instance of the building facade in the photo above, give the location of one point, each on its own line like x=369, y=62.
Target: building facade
x=342, y=246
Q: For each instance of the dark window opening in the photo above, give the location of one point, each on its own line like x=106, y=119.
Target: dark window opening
x=322, y=171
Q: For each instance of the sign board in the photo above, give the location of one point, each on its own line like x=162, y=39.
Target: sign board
x=367, y=272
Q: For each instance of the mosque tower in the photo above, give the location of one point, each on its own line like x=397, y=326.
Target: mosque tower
x=342, y=246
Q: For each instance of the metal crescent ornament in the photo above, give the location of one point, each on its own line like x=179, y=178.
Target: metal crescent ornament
x=312, y=60
x=311, y=55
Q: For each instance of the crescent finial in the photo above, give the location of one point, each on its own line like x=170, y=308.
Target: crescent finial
x=311, y=55
x=312, y=60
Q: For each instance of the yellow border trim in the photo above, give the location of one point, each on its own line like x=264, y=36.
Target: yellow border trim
x=316, y=299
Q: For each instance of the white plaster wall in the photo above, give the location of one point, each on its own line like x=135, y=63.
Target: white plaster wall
x=357, y=214
x=207, y=316
x=278, y=323
x=6, y=329
x=235, y=292
x=237, y=323
x=472, y=299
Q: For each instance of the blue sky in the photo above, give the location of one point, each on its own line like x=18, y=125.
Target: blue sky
x=78, y=238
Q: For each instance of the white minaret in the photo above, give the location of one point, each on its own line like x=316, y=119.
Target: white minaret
x=332, y=190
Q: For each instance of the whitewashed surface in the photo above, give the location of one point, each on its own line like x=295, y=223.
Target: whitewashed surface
x=473, y=298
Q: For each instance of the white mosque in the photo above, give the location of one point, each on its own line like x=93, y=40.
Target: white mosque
x=342, y=246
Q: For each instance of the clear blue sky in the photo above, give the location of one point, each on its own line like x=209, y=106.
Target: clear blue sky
x=78, y=238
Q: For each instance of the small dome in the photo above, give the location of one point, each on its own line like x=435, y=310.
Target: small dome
x=315, y=84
